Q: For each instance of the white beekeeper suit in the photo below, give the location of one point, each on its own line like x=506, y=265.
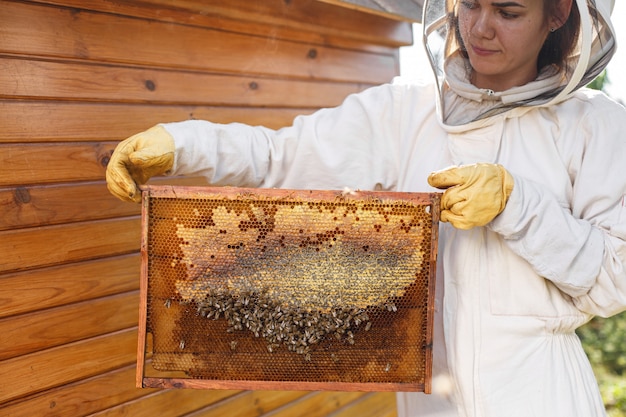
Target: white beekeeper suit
x=510, y=294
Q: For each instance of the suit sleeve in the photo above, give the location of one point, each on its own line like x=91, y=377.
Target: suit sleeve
x=352, y=145
x=580, y=248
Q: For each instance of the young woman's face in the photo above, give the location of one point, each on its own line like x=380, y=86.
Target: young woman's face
x=503, y=39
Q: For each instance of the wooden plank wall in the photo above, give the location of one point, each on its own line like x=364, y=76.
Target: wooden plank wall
x=77, y=76
x=410, y=10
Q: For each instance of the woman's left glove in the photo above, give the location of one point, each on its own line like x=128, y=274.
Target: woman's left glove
x=475, y=194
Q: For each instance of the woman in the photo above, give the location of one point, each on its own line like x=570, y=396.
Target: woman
x=532, y=243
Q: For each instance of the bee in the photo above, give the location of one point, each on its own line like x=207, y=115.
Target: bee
x=350, y=338
x=233, y=345
x=168, y=303
x=181, y=345
x=392, y=307
x=388, y=367
x=270, y=348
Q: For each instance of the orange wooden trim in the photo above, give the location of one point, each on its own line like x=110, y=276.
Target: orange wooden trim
x=151, y=382
x=167, y=191
x=428, y=350
x=143, y=296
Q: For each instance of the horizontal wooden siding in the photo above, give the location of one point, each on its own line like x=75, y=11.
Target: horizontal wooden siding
x=78, y=76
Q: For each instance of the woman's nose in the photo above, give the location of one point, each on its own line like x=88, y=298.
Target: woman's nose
x=483, y=25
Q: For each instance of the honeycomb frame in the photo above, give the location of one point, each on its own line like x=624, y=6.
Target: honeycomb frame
x=279, y=289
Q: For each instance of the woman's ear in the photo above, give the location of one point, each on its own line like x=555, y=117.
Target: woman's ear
x=561, y=14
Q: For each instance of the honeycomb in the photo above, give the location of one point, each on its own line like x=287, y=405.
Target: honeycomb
x=312, y=288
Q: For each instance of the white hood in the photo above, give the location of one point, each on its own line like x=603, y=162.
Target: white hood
x=596, y=46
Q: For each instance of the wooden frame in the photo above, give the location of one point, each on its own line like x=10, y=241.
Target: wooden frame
x=178, y=380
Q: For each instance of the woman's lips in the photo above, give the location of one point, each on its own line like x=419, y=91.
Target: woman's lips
x=482, y=51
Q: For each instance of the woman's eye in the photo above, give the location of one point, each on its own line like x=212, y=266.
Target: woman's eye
x=508, y=15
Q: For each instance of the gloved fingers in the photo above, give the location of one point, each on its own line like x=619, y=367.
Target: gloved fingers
x=450, y=177
x=455, y=196
x=458, y=208
x=457, y=220
x=146, y=157
x=120, y=183
x=119, y=180
x=453, y=209
x=148, y=162
x=468, y=213
x=138, y=175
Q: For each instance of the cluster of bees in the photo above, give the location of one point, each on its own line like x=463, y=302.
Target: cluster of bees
x=297, y=328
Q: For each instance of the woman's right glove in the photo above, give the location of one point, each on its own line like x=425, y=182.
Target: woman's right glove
x=137, y=159
x=475, y=194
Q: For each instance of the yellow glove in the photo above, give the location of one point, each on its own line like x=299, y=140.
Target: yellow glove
x=475, y=194
x=137, y=159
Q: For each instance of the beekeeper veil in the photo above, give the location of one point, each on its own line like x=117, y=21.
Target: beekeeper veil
x=593, y=50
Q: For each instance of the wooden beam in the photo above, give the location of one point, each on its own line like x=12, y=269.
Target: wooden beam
x=55, y=367
x=407, y=10
x=45, y=329
x=45, y=288
x=56, y=245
